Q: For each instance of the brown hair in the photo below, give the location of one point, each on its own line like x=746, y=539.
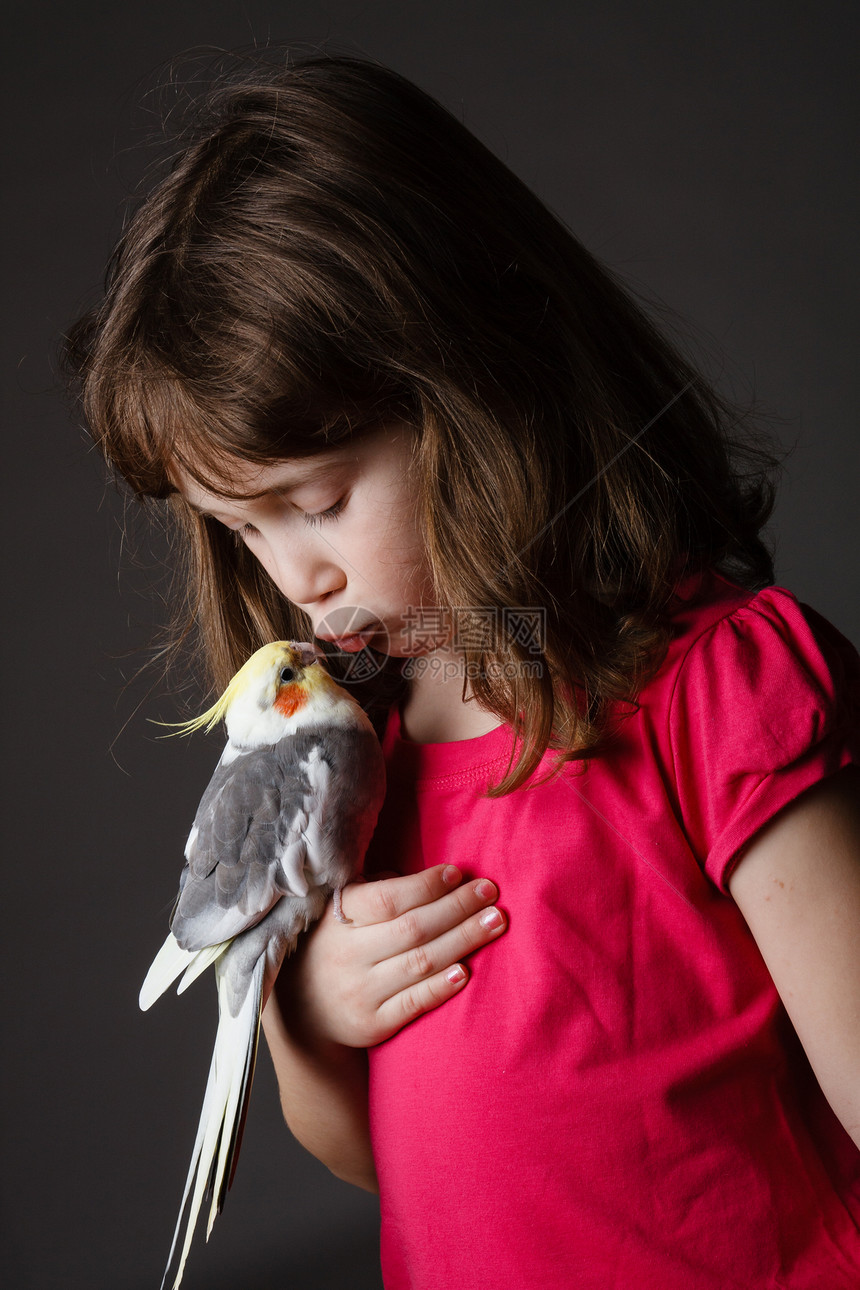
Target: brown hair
x=332, y=249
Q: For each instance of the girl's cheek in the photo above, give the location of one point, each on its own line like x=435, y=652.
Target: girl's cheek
x=264, y=558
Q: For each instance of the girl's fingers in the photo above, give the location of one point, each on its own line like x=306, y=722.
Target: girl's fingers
x=381, y=901
x=430, y=923
x=402, y=954
x=397, y=1012
x=425, y=960
x=449, y=925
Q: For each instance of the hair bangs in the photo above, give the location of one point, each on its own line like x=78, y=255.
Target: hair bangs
x=156, y=423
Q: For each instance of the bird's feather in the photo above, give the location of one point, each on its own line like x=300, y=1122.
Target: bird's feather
x=198, y=965
x=284, y=822
x=259, y=827
x=222, y=1118
x=169, y=963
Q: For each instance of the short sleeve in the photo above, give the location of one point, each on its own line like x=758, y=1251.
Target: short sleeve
x=765, y=704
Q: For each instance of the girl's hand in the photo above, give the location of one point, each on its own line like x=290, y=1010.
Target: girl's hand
x=356, y=984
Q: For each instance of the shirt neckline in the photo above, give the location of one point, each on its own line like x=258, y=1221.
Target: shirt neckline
x=439, y=760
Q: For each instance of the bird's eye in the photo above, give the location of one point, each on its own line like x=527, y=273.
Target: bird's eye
x=287, y=674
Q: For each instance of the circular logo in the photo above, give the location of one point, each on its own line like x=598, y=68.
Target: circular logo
x=353, y=659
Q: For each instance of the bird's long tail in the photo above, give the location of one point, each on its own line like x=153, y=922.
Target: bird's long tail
x=225, y=1106
x=172, y=961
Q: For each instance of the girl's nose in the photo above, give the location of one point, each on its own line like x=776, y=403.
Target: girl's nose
x=306, y=571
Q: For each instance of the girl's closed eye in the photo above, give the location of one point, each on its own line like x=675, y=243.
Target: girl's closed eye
x=315, y=518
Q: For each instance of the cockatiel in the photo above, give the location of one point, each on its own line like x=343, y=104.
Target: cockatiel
x=284, y=823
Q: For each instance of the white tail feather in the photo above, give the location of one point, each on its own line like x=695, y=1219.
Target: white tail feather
x=224, y=1103
x=236, y=1084
x=202, y=960
x=170, y=962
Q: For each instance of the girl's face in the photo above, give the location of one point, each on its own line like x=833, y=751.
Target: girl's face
x=338, y=535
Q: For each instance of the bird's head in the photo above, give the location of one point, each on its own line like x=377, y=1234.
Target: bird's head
x=281, y=687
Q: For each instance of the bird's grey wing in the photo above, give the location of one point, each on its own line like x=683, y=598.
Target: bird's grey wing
x=345, y=772
x=250, y=822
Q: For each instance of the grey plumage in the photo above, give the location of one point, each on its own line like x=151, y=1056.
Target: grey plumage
x=250, y=835
x=281, y=825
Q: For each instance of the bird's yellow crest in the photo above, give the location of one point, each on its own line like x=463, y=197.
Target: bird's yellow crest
x=266, y=660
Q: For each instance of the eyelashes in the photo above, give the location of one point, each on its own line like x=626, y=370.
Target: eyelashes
x=318, y=517
x=312, y=518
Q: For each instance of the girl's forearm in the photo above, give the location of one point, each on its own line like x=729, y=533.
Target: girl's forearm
x=349, y=987
x=323, y=1089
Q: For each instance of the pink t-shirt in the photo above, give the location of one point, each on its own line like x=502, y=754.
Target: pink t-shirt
x=616, y=1101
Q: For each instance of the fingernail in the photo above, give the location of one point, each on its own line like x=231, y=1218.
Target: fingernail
x=451, y=875
x=485, y=890
x=491, y=918
x=456, y=973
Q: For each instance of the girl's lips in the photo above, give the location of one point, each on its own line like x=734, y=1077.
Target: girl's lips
x=352, y=643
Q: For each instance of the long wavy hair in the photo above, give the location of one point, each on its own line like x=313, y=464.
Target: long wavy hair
x=330, y=250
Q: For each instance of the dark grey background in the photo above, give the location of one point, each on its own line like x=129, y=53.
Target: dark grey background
x=706, y=152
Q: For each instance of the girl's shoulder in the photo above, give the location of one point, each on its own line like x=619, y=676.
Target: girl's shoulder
x=758, y=698
x=731, y=644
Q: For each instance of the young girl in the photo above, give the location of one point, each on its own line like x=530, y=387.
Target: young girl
x=393, y=405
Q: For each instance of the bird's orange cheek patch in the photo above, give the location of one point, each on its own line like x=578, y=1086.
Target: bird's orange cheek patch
x=290, y=699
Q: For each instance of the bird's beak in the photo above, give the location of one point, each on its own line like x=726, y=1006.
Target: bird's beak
x=308, y=653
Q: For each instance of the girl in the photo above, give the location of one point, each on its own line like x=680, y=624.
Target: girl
x=394, y=405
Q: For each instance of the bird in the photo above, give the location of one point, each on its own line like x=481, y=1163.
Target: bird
x=283, y=825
